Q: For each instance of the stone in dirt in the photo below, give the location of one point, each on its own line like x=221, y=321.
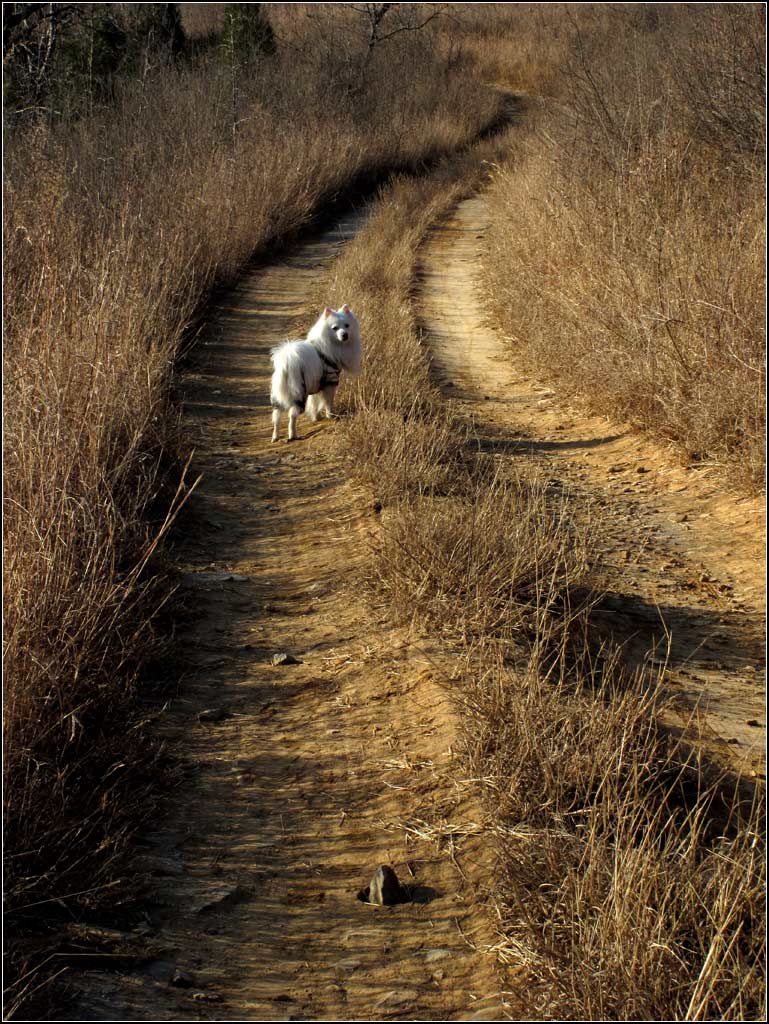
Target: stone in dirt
x=158, y=865
x=160, y=970
x=487, y=1013
x=384, y=890
x=360, y=936
x=216, y=577
x=182, y=979
x=285, y=659
x=95, y=935
x=349, y=965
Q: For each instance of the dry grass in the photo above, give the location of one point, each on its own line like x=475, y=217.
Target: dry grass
x=404, y=438
x=116, y=228
x=619, y=885
x=627, y=255
x=625, y=886
x=394, y=441
x=480, y=563
x=628, y=887
x=519, y=46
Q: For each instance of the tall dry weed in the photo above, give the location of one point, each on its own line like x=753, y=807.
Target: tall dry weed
x=519, y=46
x=478, y=563
x=626, y=259
x=394, y=442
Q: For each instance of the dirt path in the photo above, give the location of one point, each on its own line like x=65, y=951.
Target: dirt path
x=295, y=792
x=678, y=553
x=303, y=778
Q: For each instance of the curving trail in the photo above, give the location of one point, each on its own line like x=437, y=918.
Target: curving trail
x=303, y=778
x=680, y=557
x=294, y=798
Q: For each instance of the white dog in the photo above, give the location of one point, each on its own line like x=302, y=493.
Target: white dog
x=307, y=372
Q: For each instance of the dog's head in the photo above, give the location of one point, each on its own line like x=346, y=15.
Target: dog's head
x=337, y=331
x=342, y=323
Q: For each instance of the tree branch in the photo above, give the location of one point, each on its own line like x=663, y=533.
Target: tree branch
x=40, y=12
x=410, y=28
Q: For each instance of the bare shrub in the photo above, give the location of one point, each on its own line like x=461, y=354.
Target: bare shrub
x=718, y=68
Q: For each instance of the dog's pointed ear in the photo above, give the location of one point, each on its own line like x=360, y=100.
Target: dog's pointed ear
x=346, y=308
x=327, y=311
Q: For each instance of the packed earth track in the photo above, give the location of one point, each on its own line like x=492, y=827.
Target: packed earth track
x=301, y=778
x=304, y=777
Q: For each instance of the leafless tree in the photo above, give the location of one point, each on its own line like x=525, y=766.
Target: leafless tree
x=387, y=20
x=30, y=33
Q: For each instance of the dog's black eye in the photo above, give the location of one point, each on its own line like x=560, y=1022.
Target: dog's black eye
x=345, y=326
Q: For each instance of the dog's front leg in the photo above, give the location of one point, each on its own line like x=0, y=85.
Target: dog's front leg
x=275, y=423
x=329, y=393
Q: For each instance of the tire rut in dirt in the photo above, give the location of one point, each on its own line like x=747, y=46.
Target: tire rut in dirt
x=681, y=559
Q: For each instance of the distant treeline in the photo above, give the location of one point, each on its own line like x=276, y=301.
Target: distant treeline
x=63, y=59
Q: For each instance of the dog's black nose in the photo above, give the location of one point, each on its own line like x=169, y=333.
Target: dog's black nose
x=343, y=335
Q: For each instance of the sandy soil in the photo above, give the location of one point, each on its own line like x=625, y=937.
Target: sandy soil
x=680, y=556
x=303, y=778
x=316, y=772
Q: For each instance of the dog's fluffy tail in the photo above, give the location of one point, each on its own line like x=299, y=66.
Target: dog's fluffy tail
x=298, y=370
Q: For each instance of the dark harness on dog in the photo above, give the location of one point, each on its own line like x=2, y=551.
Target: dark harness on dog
x=330, y=373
